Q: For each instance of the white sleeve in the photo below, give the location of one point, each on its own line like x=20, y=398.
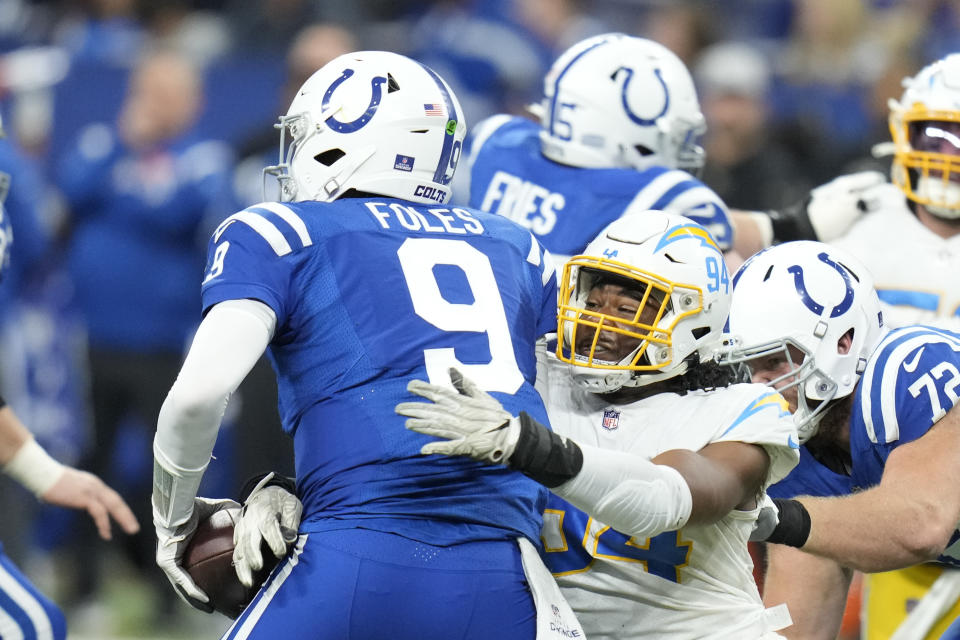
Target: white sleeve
x=629, y=493
x=229, y=341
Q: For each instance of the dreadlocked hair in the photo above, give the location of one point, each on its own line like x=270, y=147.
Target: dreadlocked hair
x=704, y=376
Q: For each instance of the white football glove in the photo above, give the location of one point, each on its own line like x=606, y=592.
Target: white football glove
x=767, y=520
x=834, y=207
x=172, y=544
x=270, y=514
x=471, y=421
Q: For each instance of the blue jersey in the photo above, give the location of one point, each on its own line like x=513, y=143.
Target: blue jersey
x=566, y=207
x=910, y=383
x=811, y=478
x=370, y=294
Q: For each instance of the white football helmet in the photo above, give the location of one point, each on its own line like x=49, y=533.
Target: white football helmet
x=806, y=294
x=681, y=271
x=925, y=125
x=619, y=101
x=374, y=122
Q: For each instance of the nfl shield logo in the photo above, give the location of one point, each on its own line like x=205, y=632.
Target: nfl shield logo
x=611, y=419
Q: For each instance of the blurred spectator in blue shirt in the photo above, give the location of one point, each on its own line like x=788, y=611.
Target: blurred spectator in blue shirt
x=140, y=192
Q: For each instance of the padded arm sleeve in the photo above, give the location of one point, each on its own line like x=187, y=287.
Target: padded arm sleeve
x=228, y=343
x=629, y=493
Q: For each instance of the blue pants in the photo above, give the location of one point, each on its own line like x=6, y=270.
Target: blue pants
x=952, y=632
x=365, y=585
x=25, y=612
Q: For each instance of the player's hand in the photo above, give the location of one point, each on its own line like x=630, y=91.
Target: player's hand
x=834, y=207
x=81, y=490
x=470, y=421
x=767, y=520
x=271, y=514
x=172, y=544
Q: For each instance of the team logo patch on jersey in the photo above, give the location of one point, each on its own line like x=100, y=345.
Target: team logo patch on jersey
x=611, y=419
x=403, y=163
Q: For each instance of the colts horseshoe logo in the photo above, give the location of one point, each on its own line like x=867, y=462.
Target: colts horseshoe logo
x=812, y=304
x=376, y=85
x=643, y=122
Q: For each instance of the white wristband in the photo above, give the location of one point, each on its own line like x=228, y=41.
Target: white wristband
x=764, y=226
x=33, y=467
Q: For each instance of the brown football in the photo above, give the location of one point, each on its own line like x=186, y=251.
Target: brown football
x=209, y=561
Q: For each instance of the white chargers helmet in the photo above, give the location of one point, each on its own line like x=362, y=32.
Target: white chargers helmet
x=374, y=122
x=685, y=287
x=808, y=295
x=925, y=125
x=619, y=101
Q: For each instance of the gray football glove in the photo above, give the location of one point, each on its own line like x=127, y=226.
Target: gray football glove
x=172, y=544
x=470, y=421
x=271, y=514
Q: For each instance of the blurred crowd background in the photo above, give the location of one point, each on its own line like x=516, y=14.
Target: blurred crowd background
x=135, y=126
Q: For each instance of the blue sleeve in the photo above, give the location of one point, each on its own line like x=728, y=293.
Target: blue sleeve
x=912, y=381
x=810, y=478
x=241, y=263
x=691, y=198
x=715, y=218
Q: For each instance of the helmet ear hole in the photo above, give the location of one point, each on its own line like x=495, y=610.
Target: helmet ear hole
x=699, y=332
x=329, y=156
x=642, y=150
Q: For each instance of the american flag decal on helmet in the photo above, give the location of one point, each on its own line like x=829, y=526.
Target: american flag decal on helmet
x=432, y=109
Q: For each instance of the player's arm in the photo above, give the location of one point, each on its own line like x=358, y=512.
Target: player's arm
x=906, y=519
x=24, y=460
x=814, y=589
x=825, y=215
x=632, y=494
x=230, y=340
x=721, y=477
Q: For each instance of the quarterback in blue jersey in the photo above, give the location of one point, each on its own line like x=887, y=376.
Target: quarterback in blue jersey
x=618, y=132
x=359, y=281
x=876, y=411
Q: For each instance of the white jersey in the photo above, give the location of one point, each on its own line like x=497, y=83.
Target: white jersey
x=914, y=269
x=693, y=583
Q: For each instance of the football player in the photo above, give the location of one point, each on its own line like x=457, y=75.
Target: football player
x=876, y=412
x=658, y=459
x=916, y=281
x=921, y=208
x=24, y=611
x=360, y=280
x=618, y=131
